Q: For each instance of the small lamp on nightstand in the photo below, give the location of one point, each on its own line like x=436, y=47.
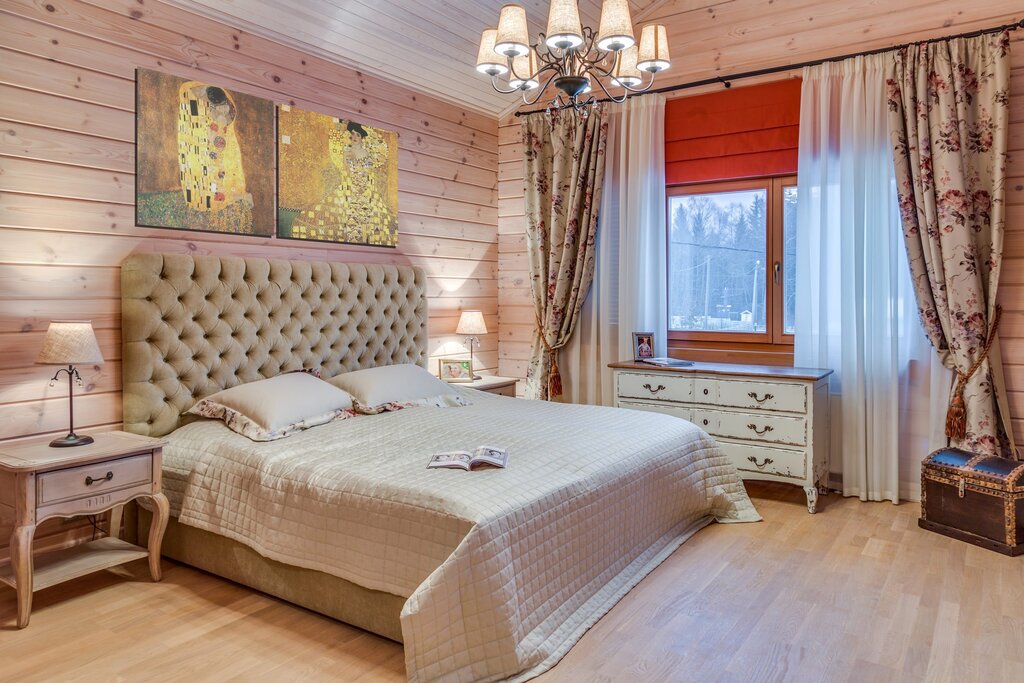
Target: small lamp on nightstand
x=472, y=323
x=68, y=342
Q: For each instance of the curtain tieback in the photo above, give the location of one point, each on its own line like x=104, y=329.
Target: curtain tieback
x=956, y=415
x=554, y=377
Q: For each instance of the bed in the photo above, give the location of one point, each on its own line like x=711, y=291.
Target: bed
x=489, y=575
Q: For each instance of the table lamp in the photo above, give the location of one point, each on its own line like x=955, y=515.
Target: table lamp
x=68, y=342
x=472, y=323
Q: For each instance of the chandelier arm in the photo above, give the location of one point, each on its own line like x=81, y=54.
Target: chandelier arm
x=616, y=100
x=540, y=91
x=494, y=84
x=643, y=88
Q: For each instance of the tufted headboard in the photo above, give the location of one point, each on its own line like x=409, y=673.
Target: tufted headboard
x=193, y=325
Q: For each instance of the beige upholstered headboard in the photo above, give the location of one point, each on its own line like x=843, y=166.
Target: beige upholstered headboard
x=193, y=325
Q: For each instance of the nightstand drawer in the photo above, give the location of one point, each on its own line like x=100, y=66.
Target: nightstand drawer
x=87, y=481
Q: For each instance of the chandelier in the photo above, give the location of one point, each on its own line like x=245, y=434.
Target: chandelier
x=573, y=57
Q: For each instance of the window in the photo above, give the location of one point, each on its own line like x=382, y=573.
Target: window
x=731, y=262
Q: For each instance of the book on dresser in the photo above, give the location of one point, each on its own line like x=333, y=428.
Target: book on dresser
x=771, y=422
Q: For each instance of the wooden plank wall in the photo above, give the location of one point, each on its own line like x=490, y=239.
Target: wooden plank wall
x=711, y=37
x=67, y=185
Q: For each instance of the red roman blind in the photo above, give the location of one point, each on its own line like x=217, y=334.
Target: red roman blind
x=730, y=134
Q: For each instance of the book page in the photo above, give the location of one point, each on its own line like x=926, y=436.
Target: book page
x=459, y=459
x=491, y=455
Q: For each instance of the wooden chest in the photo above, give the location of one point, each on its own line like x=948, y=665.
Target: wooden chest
x=974, y=498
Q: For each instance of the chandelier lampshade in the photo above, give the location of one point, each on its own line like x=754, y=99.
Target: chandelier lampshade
x=513, y=37
x=524, y=68
x=625, y=72
x=576, y=60
x=564, y=28
x=653, y=56
x=487, y=60
x=615, y=32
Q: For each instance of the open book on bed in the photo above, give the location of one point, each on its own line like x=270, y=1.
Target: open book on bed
x=464, y=460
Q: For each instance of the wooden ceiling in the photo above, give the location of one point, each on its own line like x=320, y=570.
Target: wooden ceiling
x=429, y=45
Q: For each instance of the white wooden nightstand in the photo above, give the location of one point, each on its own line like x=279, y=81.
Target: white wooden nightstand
x=492, y=384
x=38, y=482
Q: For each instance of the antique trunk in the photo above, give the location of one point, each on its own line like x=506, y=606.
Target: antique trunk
x=974, y=498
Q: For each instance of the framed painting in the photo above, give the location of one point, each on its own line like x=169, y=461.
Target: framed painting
x=337, y=180
x=204, y=157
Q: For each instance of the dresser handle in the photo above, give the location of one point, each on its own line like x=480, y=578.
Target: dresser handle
x=767, y=397
x=654, y=390
x=760, y=432
x=89, y=481
x=761, y=466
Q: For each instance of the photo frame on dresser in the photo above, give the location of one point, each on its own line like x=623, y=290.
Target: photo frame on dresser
x=643, y=346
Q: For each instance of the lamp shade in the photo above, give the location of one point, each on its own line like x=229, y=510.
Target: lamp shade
x=471, y=322
x=615, y=32
x=513, y=37
x=70, y=342
x=653, y=56
x=487, y=59
x=524, y=72
x=625, y=72
x=564, y=28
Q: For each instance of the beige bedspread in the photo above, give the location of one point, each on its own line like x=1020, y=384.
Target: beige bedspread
x=504, y=570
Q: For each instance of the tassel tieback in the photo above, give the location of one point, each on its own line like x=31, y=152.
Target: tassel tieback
x=554, y=377
x=956, y=414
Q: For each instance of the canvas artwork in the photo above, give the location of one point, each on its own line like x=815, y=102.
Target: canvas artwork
x=204, y=157
x=337, y=180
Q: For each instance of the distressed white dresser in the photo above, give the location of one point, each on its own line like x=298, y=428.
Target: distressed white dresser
x=772, y=422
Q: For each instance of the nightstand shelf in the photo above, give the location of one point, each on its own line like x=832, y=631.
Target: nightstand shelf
x=63, y=565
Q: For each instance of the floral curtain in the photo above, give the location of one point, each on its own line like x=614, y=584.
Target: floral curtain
x=564, y=166
x=948, y=117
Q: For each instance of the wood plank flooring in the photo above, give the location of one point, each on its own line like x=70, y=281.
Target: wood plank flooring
x=854, y=593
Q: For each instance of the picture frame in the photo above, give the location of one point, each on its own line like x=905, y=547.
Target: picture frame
x=454, y=370
x=643, y=346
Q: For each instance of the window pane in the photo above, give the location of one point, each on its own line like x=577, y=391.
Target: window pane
x=717, y=260
x=789, y=259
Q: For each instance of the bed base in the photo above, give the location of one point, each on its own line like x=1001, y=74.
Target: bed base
x=374, y=611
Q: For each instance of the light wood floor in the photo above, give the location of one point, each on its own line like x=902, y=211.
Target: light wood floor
x=856, y=592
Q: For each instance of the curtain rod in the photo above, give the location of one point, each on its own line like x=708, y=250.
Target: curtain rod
x=727, y=80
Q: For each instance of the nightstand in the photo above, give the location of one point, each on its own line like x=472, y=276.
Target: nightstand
x=38, y=482
x=492, y=384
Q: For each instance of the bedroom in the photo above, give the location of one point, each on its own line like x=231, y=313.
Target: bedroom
x=857, y=588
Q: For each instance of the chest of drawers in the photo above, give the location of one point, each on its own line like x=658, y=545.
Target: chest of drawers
x=773, y=423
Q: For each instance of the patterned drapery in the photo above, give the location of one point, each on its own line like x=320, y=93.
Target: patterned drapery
x=564, y=156
x=949, y=114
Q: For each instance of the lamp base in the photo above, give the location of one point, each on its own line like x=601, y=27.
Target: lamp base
x=71, y=439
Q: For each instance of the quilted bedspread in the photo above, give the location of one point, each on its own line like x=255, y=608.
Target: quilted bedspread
x=504, y=569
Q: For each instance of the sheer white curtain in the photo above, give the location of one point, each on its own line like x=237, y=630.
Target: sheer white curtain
x=629, y=290
x=855, y=308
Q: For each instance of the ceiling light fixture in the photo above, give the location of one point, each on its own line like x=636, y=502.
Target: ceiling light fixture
x=573, y=57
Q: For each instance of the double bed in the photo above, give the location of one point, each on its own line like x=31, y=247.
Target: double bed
x=487, y=575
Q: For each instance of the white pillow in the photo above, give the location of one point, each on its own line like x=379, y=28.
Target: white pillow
x=393, y=387
x=269, y=409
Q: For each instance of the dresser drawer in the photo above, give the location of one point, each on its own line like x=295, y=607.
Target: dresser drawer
x=660, y=387
x=112, y=475
x=790, y=398
x=779, y=462
x=764, y=427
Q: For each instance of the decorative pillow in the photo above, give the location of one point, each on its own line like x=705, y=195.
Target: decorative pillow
x=393, y=387
x=273, y=408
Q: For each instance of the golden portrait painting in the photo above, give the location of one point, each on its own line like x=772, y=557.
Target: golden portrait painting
x=204, y=157
x=337, y=180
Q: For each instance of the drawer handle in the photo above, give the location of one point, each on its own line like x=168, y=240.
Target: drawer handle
x=761, y=466
x=760, y=432
x=654, y=390
x=705, y=392
x=705, y=422
x=89, y=481
x=767, y=397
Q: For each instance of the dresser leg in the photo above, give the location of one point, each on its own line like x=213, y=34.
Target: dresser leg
x=21, y=560
x=812, y=498
x=156, y=533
